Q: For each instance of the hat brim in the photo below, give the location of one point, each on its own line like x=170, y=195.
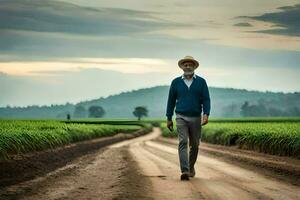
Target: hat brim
x=180, y=62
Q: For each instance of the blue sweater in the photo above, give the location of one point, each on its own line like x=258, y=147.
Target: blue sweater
x=189, y=101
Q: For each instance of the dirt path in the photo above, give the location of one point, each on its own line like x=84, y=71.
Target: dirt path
x=215, y=179
x=147, y=168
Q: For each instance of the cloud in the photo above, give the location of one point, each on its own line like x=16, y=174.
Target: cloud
x=62, y=17
x=73, y=86
x=124, y=65
x=286, y=20
x=44, y=30
x=244, y=24
x=53, y=29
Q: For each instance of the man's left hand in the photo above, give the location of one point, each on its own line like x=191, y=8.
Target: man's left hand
x=204, y=120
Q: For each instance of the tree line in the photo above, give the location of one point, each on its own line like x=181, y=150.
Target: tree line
x=263, y=110
x=96, y=111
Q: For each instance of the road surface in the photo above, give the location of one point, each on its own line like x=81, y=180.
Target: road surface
x=147, y=168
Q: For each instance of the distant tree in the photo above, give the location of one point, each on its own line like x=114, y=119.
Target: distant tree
x=245, y=109
x=140, y=111
x=68, y=116
x=248, y=110
x=79, y=112
x=62, y=115
x=96, y=111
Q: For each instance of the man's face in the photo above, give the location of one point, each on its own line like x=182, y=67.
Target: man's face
x=188, y=67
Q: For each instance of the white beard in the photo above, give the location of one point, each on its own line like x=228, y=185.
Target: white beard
x=189, y=73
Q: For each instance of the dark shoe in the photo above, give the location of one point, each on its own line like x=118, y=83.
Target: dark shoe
x=192, y=172
x=184, y=176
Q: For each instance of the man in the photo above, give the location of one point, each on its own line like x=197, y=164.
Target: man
x=189, y=93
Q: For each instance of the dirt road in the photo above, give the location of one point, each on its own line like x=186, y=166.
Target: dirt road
x=147, y=168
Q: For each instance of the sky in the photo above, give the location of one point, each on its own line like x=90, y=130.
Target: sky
x=53, y=52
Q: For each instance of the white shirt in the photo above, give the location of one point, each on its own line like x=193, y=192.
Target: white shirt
x=188, y=82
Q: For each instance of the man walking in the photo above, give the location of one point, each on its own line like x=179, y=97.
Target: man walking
x=189, y=93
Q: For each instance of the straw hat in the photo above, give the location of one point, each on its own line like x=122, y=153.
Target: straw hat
x=188, y=58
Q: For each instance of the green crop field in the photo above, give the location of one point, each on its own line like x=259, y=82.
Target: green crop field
x=279, y=136
x=21, y=136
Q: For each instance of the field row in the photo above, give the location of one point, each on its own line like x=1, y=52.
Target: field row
x=21, y=136
x=279, y=138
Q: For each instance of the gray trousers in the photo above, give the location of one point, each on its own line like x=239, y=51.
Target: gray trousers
x=189, y=131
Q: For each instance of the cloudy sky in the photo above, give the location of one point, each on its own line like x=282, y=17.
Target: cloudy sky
x=75, y=50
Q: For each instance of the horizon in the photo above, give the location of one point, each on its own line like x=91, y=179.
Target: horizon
x=70, y=50
x=134, y=90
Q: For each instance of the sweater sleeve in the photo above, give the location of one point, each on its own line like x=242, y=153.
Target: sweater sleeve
x=206, y=99
x=171, y=101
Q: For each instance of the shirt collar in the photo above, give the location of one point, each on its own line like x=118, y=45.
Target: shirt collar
x=182, y=77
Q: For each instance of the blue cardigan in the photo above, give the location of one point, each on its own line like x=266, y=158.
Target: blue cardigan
x=188, y=101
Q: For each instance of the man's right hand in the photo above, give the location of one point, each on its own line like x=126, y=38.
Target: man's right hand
x=170, y=125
